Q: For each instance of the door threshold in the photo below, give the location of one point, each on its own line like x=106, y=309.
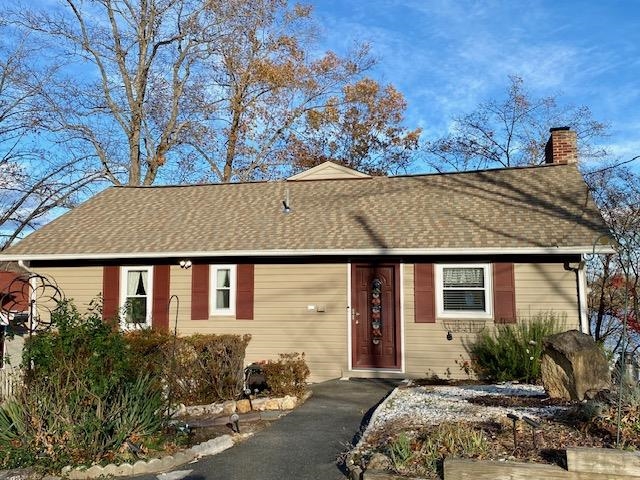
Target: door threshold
x=374, y=373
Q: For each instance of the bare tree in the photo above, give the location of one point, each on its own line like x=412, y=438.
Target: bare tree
x=511, y=132
x=164, y=87
x=615, y=279
x=33, y=182
x=122, y=95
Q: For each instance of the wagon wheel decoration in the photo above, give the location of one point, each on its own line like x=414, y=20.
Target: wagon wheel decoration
x=376, y=311
x=29, y=301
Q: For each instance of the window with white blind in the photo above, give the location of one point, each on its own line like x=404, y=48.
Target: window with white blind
x=136, y=296
x=464, y=290
x=223, y=291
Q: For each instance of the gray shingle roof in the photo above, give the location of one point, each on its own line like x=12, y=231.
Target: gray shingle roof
x=519, y=208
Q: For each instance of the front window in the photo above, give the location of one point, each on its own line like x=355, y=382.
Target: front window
x=224, y=294
x=464, y=291
x=136, y=296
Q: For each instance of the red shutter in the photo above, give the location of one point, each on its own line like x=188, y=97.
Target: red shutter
x=244, y=292
x=504, y=293
x=160, y=312
x=110, y=292
x=424, y=293
x=200, y=292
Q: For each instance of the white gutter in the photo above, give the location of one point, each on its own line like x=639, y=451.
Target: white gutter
x=22, y=264
x=577, y=250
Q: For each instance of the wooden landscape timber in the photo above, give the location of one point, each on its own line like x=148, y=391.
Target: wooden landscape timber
x=582, y=464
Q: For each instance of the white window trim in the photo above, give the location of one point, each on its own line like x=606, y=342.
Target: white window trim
x=213, y=275
x=461, y=314
x=124, y=273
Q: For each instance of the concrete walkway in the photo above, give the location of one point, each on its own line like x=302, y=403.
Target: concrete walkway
x=303, y=445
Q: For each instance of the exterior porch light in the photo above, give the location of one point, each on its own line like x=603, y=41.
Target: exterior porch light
x=186, y=264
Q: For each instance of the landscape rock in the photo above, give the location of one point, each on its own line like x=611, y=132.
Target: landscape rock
x=272, y=404
x=213, y=446
x=259, y=404
x=15, y=474
x=288, y=403
x=179, y=410
x=379, y=461
x=228, y=407
x=243, y=406
x=573, y=366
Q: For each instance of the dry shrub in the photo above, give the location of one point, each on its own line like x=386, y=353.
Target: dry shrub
x=197, y=369
x=287, y=375
x=82, y=399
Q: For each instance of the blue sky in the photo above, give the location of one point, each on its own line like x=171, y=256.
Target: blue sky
x=446, y=56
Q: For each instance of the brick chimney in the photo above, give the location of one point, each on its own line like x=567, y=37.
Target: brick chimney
x=562, y=147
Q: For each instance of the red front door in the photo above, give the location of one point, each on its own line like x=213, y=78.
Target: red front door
x=375, y=316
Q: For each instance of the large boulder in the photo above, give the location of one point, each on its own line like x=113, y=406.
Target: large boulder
x=574, y=367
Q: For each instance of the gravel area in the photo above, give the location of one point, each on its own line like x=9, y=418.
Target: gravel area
x=430, y=405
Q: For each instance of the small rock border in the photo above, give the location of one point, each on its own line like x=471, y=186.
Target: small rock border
x=210, y=447
x=230, y=407
x=154, y=465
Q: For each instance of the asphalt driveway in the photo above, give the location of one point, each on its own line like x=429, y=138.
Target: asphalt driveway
x=303, y=445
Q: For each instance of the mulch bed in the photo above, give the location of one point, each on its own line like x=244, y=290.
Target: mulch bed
x=524, y=401
x=571, y=426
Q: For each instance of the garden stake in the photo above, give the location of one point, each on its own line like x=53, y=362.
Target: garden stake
x=514, y=419
x=534, y=425
x=172, y=365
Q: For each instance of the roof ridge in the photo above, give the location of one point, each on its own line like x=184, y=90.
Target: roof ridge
x=483, y=170
x=285, y=180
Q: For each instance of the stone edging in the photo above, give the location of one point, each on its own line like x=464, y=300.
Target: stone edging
x=355, y=471
x=154, y=465
x=158, y=465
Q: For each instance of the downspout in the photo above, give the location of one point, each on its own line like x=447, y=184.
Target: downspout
x=583, y=290
x=581, y=286
x=22, y=264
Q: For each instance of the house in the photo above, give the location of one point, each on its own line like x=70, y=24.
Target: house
x=14, y=301
x=366, y=275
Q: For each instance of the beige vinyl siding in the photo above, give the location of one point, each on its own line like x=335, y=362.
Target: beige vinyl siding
x=80, y=284
x=427, y=350
x=539, y=288
x=542, y=287
x=282, y=322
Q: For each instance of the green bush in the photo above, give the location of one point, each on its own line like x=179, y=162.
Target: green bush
x=82, y=398
x=287, y=375
x=197, y=369
x=514, y=352
x=80, y=345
